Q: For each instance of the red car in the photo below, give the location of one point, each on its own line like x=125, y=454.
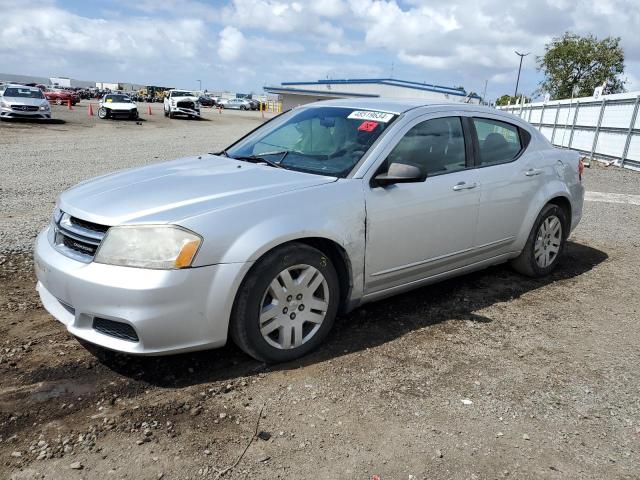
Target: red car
x=61, y=97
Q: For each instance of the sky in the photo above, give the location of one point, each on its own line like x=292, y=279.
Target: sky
x=243, y=45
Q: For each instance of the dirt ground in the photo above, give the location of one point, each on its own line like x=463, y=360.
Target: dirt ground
x=491, y=375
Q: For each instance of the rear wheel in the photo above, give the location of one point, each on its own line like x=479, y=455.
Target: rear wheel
x=58, y=101
x=545, y=244
x=286, y=305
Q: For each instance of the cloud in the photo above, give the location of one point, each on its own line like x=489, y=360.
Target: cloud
x=232, y=44
x=53, y=38
x=451, y=43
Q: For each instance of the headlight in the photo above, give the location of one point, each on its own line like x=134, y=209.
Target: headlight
x=149, y=246
x=4, y=104
x=44, y=106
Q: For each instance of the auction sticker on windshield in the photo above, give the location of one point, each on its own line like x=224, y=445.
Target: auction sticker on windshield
x=381, y=117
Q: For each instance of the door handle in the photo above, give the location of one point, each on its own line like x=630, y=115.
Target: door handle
x=464, y=186
x=532, y=172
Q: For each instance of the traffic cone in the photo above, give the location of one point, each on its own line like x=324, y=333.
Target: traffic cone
x=149, y=109
x=90, y=110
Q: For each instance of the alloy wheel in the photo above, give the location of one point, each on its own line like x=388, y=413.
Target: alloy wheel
x=548, y=241
x=294, y=306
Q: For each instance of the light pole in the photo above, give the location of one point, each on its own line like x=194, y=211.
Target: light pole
x=200, y=83
x=521, y=55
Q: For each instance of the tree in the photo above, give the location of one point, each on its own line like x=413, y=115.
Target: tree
x=505, y=99
x=583, y=62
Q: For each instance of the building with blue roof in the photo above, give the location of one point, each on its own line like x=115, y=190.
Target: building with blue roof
x=294, y=94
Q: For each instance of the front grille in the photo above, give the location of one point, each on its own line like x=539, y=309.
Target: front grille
x=77, y=238
x=24, y=108
x=120, y=330
x=88, y=225
x=186, y=104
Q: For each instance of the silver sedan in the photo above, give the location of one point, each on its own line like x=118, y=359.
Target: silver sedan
x=320, y=210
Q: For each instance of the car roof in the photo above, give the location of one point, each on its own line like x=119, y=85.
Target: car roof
x=401, y=105
x=396, y=105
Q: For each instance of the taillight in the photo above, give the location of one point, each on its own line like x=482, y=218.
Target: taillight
x=580, y=168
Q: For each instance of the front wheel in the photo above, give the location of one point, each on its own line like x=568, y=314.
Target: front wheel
x=286, y=305
x=545, y=244
x=102, y=113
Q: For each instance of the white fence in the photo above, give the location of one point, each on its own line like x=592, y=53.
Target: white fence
x=607, y=128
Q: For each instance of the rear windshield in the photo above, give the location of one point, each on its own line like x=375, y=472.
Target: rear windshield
x=23, y=92
x=182, y=94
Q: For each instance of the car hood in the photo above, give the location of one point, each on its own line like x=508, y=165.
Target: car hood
x=173, y=191
x=119, y=105
x=36, y=102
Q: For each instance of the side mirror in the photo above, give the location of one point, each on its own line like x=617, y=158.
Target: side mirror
x=399, y=173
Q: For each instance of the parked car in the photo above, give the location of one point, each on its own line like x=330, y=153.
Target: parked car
x=327, y=207
x=235, y=103
x=181, y=102
x=115, y=105
x=17, y=101
x=206, y=101
x=61, y=96
x=255, y=104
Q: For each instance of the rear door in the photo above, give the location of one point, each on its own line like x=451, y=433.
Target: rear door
x=510, y=174
x=415, y=230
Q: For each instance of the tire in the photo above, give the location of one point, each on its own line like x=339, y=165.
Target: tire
x=133, y=115
x=171, y=115
x=166, y=112
x=257, y=297
x=544, y=238
x=103, y=113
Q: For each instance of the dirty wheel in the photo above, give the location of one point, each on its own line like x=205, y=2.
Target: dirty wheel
x=286, y=305
x=545, y=244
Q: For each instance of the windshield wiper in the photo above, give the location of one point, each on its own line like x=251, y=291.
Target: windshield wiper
x=257, y=159
x=260, y=158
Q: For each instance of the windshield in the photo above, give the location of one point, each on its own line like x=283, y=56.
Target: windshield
x=23, y=92
x=117, y=99
x=320, y=140
x=182, y=94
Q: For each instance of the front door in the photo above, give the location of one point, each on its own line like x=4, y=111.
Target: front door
x=415, y=230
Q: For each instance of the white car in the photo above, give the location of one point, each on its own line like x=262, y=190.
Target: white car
x=181, y=102
x=236, y=103
x=18, y=101
x=115, y=105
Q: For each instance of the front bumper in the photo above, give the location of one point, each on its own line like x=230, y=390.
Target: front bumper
x=8, y=112
x=171, y=311
x=133, y=112
x=185, y=111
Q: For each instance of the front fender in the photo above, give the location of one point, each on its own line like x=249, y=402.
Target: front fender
x=244, y=233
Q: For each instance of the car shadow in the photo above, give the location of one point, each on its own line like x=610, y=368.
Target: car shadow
x=184, y=117
x=366, y=327
x=48, y=121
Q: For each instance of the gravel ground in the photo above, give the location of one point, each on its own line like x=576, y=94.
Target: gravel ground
x=487, y=376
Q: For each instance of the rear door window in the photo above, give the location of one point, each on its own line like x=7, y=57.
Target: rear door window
x=498, y=142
